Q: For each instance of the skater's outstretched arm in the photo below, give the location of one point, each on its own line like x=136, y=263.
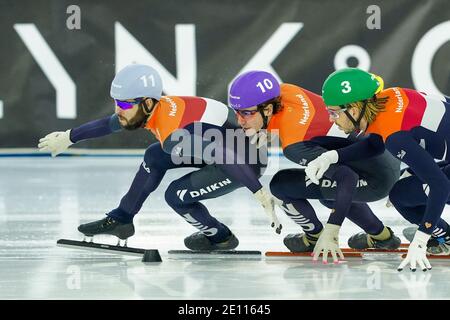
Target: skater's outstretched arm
x=95, y=129
x=57, y=142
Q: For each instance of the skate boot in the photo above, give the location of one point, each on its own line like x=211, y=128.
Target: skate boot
x=438, y=246
x=300, y=242
x=107, y=226
x=199, y=242
x=361, y=241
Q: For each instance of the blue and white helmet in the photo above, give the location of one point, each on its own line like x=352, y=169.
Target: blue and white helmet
x=136, y=81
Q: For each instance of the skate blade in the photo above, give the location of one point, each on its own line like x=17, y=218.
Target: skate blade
x=100, y=247
x=369, y=254
x=216, y=254
x=272, y=255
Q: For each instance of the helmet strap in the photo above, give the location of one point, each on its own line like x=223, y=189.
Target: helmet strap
x=145, y=108
x=264, y=117
x=357, y=123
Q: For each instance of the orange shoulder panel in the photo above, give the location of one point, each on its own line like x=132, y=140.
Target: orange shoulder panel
x=390, y=121
x=295, y=117
x=166, y=118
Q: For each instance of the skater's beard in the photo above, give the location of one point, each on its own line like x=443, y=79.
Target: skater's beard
x=136, y=122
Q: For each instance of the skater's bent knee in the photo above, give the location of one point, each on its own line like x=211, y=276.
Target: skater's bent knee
x=174, y=194
x=277, y=184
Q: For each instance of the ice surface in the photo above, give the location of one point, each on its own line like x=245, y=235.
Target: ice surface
x=44, y=199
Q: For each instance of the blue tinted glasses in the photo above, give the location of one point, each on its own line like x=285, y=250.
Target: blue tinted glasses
x=124, y=105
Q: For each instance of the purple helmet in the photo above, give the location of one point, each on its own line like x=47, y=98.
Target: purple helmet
x=253, y=88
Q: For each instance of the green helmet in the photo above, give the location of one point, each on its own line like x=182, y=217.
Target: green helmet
x=350, y=85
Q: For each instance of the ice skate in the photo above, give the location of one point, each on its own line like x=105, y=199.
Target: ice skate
x=199, y=242
x=438, y=247
x=108, y=226
x=362, y=241
x=300, y=242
